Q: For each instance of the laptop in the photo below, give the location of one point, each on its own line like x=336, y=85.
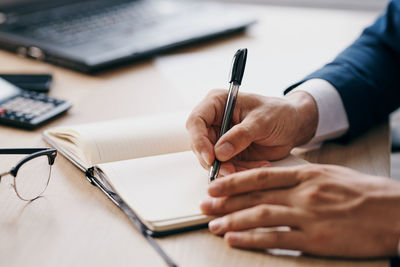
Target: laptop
x=94, y=35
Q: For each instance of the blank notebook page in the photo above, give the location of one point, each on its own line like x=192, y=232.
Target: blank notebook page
x=160, y=187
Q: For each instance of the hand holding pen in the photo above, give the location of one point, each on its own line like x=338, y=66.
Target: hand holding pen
x=262, y=129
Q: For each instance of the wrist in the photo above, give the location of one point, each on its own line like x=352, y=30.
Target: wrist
x=387, y=195
x=307, y=116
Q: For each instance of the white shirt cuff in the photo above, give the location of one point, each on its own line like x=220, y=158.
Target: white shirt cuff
x=332, y=117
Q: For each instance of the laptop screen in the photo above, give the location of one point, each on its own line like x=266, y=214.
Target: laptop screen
x=17, y=6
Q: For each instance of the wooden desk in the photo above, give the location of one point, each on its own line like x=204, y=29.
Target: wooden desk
x=76, y=225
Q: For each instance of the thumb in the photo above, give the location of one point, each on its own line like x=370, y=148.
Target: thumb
x=234, y=141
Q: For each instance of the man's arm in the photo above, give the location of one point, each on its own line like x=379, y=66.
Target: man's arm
x=367, y=73
x=332, y=117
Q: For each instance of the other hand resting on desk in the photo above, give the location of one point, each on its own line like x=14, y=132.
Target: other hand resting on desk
x=331, y=210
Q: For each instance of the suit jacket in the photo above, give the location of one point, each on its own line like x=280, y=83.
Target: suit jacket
x=367, y=73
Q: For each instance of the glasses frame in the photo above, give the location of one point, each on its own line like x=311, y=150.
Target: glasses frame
x=51, y=154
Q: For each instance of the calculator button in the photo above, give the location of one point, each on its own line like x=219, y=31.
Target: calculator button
x=29, y=116
x=25, y=110
x=52, y=101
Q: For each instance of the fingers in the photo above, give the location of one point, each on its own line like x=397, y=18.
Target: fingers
x=203, y=150
x=293, y=239
x=242, y=165
x=259, y=216
x=239, y=165
x=200, y=143
x=224, y=205
x=226, y=168
x=255, y=179
x=237, y=139
x=199, y=124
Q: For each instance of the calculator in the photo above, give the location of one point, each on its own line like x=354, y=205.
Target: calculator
x=26, y=109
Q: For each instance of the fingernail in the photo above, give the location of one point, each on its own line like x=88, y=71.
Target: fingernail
x=226, y=169
x=232, y=238
x=223, y=171
x=225, y=150
x=206, y=157
x=206, y=204
x=215, y=226
x=214, y=189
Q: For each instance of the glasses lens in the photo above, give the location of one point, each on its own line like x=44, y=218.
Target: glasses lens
x=32, y=178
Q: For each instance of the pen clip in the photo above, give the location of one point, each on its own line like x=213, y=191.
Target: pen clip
x=238, y=66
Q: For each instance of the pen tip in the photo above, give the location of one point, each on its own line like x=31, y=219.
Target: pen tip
x=211, y=174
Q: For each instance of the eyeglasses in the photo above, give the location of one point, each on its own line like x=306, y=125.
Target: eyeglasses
x=32, y=173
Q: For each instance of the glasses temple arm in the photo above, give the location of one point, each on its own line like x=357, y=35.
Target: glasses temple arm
x=3, y=174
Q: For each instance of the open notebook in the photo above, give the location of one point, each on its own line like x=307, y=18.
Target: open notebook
x=144, y=165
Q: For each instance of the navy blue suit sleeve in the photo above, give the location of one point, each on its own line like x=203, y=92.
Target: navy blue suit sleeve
x=367, y=73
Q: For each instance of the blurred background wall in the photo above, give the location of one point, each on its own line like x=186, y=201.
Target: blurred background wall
x=342, y=4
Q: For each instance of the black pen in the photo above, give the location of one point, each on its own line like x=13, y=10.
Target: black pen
x=239, y=63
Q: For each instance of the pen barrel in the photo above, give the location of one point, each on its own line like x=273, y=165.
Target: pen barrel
x=226, y=121
x=229, y=108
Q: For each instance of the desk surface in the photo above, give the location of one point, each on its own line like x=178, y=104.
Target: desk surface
x=76, y=225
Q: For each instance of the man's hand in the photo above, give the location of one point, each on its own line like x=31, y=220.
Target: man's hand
x=331, y=210
x=264, y=128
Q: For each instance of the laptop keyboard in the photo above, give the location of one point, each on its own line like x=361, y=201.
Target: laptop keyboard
x=94, y=21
